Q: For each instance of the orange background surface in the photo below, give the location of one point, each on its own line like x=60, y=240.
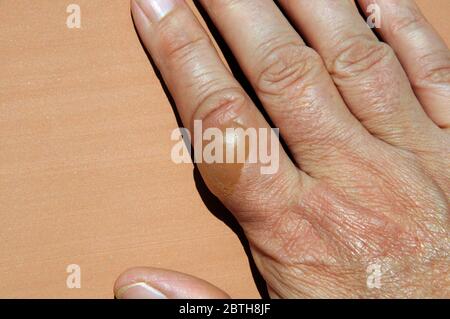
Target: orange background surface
x=85, y=171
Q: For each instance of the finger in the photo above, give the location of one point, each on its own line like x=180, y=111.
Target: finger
x=154, y=283
x=205, y=90
x=291, y=81
x=365, y=70
x=422, y=52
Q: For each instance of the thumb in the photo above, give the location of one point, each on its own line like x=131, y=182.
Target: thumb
x=154, y=283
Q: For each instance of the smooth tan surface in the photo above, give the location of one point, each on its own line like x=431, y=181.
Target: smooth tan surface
x=85, y=171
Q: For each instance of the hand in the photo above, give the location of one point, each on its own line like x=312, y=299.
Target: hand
x=366, y=189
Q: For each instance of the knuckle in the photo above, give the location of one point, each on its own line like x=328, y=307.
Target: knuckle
x=434, y=69
x=359, y=56
x=288, y=69
x=221, y=105
x=408, y=18
x=178, y=45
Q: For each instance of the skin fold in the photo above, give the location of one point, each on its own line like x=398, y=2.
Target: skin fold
x=366, y=122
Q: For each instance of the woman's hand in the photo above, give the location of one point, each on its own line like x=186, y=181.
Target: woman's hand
x=361, y=207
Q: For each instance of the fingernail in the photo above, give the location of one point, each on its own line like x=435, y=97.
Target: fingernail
x=139, y=290
x=155, y=10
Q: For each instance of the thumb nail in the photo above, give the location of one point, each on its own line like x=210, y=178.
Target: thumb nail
x=139, y=290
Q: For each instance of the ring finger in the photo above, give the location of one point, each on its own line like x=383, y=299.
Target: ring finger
x=291, y=81
x=365, y=70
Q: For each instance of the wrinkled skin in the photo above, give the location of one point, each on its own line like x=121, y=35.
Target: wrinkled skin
x=367, y=124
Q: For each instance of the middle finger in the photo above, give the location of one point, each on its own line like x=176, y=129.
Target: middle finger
x=291, y=81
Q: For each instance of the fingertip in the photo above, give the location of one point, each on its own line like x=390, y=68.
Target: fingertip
x=155, y=283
